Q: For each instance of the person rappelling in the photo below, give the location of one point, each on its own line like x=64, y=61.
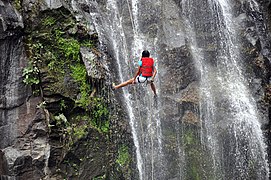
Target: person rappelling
x=145, y=73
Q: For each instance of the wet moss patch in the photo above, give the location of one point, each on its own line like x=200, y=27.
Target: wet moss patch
x=198, y=160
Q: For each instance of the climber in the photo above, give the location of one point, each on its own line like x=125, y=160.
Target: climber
x=145, y=73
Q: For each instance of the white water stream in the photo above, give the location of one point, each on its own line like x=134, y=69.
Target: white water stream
x=230, y=125
x=143, y=118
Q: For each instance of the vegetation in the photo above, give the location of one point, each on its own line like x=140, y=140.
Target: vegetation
x=56, y=69
x=17, y=4
x=100, y=177
x=123, y=156
x=54, y=48
x=197, y=157
x=190, y=143
x=31, y=74
x=76, y=126
x=50, y=46
x=79, y=74
x=100, y=115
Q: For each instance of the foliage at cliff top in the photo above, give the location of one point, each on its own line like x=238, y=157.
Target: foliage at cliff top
x=53, y=48
x=56, y=72
x=55, y=67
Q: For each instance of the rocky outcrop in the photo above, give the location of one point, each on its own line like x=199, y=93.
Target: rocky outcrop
x=57, y=124
x=13, y=91
x=54, y=123
x=13, y=94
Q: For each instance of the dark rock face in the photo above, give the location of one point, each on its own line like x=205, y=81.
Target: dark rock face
x=89, y=157
x=13, y=93
x=33, y=145
x=30, y=149
x=3, y=165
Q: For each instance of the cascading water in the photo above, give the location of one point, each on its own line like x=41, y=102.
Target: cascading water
x=230, y=124
x=231, y=144
x=143, y=118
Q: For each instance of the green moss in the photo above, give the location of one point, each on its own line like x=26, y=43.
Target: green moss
x=87, y=43
x=48, y=21
x=17, y=4
x=50, y=46
x=124, y=157
x=123, y=161
x=100, y=115
x=67, y=46
x=199, y=165
x=189, y=139
x=79, y=74
x=193, y=155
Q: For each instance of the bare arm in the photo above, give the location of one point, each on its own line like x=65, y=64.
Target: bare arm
x=136, y=74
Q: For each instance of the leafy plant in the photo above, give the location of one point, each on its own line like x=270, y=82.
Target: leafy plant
x=31, y=75
x=79, y=131
x=61, y=119
x=68, y=46
x=62, y=105
x=100, y=114
x=105, y=127
x=87, y=43
x=49, y=21
x=31, y=72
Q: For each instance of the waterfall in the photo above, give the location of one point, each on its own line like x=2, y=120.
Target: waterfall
x=231, y=143
x=119, y=29
x=230, y=124
x=121, y=55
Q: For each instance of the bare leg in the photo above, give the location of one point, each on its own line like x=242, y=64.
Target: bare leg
x=153, y=88
x=130, y=81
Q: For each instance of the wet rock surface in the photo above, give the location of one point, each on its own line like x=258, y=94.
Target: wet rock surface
x=31, y=149
x=179, y=77
x=31, y=146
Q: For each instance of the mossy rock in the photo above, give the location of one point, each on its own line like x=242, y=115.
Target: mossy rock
x=198, y=159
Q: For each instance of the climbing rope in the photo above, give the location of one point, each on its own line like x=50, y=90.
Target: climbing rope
x=131, y=16
x=134, y=88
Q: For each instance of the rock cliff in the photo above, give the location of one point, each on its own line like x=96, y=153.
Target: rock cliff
x=59, y=117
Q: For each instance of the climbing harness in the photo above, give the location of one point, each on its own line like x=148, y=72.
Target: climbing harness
x=146, y=81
